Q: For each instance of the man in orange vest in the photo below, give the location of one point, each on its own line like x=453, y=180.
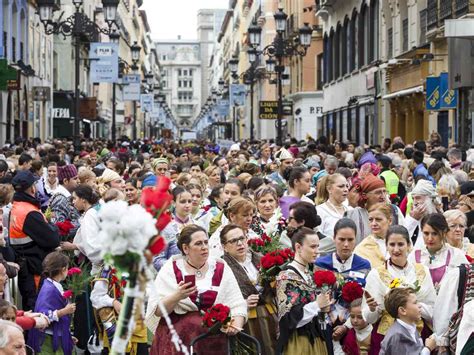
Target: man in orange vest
x=31, y=236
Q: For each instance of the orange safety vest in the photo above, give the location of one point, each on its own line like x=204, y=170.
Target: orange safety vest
x=18, y=215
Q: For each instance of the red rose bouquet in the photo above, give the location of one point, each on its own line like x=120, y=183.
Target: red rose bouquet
x=262, y=245
x=324, y=279
x=351, y=291
x=64, y=228
x=272, y=263
x=216, y=317
x=77, y=281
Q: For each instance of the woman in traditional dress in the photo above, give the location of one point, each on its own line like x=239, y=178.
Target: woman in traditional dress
x=269, y=219
x=457, y=223
x=197, y=199
x=333, y=190
x=373, y=247
x=181, y=217
x=397, y=271
x=240, y=211
x=262, y=319
x=299, y=304
x=214, y=284
x=344, y=261
x=436, y=254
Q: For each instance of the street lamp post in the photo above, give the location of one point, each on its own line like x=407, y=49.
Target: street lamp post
x=277, y=51
x=135, y=49
x=77, y=25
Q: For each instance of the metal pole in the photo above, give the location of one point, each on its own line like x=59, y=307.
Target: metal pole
x=77, y=91
x=114, y=137
x=233, y=123
x=280, y=103
x=251, y=113
x=134, y=120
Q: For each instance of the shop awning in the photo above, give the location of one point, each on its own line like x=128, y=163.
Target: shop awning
x=394, y=95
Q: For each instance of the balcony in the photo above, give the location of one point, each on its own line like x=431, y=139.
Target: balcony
x=461, y=7
x=432, y=20
x=445, y=9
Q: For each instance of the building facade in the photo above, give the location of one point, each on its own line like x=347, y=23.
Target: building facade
x=181, y=77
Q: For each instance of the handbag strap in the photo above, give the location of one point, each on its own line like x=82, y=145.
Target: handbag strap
x=462, y=284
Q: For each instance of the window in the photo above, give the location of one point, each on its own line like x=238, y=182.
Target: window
x=190, y=72
x=405, y=35
x=319, y=66
x=423, y=22
x=163, y=57
x=344, y=46
x=179, y=72
x=361, y=37
x=190, y=83
x=445, y=9
x=337, y=48
x=180, y=84
x=390, y=43
x=353, y=42
x=331, y=56
x=165, y=84
x=185, y=72
x=432, y=8
x=185, y=84
x=325, y=56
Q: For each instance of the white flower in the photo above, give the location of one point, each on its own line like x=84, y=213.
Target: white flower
x=124, y=228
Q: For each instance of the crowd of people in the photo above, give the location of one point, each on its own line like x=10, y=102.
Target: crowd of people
x=252, y=225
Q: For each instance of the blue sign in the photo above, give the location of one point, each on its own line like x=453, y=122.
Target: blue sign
x=237, y=94
x=449, y=98
x=433, y=93
x=223, y=108
x=146, y=102
x=131, y=87
x=104, y=62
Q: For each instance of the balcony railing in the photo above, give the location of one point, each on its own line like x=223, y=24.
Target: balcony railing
x=432, y=20
x=461, y=7
x=445, y=9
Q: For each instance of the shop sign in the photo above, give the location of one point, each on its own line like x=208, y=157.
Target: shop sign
x=268, y=110
x=433, y=95
x=449, y=98
x=8, y=76
x=88, y=108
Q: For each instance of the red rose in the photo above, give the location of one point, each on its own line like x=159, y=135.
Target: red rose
x=155, y=200
x=74, y=271
x=64, y=228
x=163, y=220
x=68, y=294
x=279, y=260
x=163, y=184
x=351, y=291
x=324, y=278
x=157, y=245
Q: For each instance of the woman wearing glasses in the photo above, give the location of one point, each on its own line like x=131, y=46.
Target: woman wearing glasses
x=244, y=262
x=457, y=223
x=190, y=283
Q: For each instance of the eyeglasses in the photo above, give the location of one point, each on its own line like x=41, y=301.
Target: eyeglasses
x=236, y=241
x=455, y=226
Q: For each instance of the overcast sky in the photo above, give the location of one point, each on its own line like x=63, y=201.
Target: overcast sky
x=170, y=18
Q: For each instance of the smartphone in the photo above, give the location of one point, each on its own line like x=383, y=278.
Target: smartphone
x=190, y=279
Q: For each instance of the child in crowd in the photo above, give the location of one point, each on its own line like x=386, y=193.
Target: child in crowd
x=358, y=338
x=56, y=339
x=403, y=337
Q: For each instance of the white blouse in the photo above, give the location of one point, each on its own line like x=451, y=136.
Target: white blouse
x=378, y=289
x=329, y=217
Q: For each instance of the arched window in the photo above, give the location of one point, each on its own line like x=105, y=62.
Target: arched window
x=374, y=30
x=326, y=59
x=337, y=52
x=331, y=55
x=353, y=42
x=361, y=43
x=344, y=47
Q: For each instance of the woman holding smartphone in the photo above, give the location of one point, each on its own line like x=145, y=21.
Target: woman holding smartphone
x=210, y=282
